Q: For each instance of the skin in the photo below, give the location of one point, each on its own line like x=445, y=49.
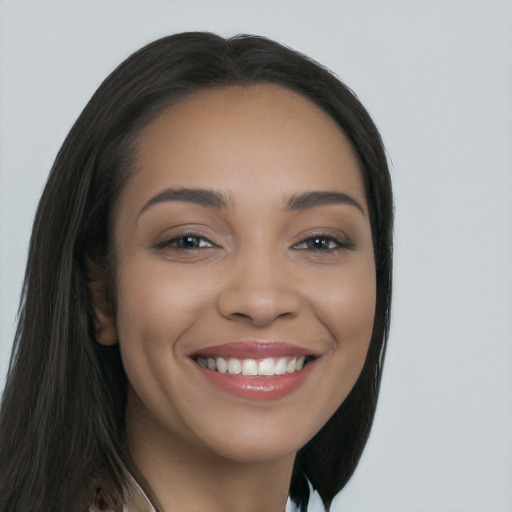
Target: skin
x=256, y=276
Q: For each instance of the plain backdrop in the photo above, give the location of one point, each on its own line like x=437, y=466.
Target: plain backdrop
x=437, y=78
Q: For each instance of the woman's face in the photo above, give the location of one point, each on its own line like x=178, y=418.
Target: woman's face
x=243, y=246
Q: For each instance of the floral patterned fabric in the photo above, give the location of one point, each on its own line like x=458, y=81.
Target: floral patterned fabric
x=135, y=500
x=104, y=502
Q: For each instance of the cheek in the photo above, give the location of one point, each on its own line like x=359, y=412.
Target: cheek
x=155, y=309
x=347, y=308
x=151, y=299
x=347, y=304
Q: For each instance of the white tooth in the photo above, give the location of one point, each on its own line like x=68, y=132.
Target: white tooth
x=249, y=367
x=290, y=367
x=222, y=365
x=266, y=367
x=280, y=366
x=211, y=363
x=202, y=362
x=234, y=366
x=300, y=362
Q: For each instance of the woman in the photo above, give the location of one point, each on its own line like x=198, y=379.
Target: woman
x=206, y=302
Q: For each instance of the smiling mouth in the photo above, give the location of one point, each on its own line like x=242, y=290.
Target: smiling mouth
x=256, y=370
x=266, y=367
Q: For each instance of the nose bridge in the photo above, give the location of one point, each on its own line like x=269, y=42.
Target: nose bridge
x=259, y=263
x=259, y=287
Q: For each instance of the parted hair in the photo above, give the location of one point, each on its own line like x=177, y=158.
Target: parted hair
x=62, y=412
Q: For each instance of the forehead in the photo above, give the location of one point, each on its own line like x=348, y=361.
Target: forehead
x=256, y=138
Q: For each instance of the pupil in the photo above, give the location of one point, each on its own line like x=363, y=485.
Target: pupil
x=188, y=242
x=318, y=243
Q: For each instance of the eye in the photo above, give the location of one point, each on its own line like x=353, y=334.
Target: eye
x=323, y=243
x=189, y=242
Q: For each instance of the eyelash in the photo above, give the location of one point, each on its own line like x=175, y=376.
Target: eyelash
x=173, y=243
x=339, y=244
x=198, y=242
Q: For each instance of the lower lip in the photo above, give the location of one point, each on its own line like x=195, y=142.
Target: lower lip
x=258, y=388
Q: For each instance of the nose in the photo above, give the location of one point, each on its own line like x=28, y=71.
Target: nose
x=258, y=290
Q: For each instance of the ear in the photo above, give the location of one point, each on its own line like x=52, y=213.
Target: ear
x=105, y=331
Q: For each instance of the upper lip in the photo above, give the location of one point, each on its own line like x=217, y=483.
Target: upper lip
x=255, y=350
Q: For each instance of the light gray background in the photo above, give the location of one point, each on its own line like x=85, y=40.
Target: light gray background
x=437, y=78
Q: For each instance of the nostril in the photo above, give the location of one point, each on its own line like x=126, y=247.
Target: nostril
x=241, y=315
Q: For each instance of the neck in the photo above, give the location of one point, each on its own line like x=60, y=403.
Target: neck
x=185, y=476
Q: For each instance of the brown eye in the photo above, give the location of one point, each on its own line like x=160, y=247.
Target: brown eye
x=323, y=243
x=320, y=244
x=190, y=242
x=185, y=242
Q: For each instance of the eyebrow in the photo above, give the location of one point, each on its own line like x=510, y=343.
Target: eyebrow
x=201, y=196
x=217, y=200
x=309, y=200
